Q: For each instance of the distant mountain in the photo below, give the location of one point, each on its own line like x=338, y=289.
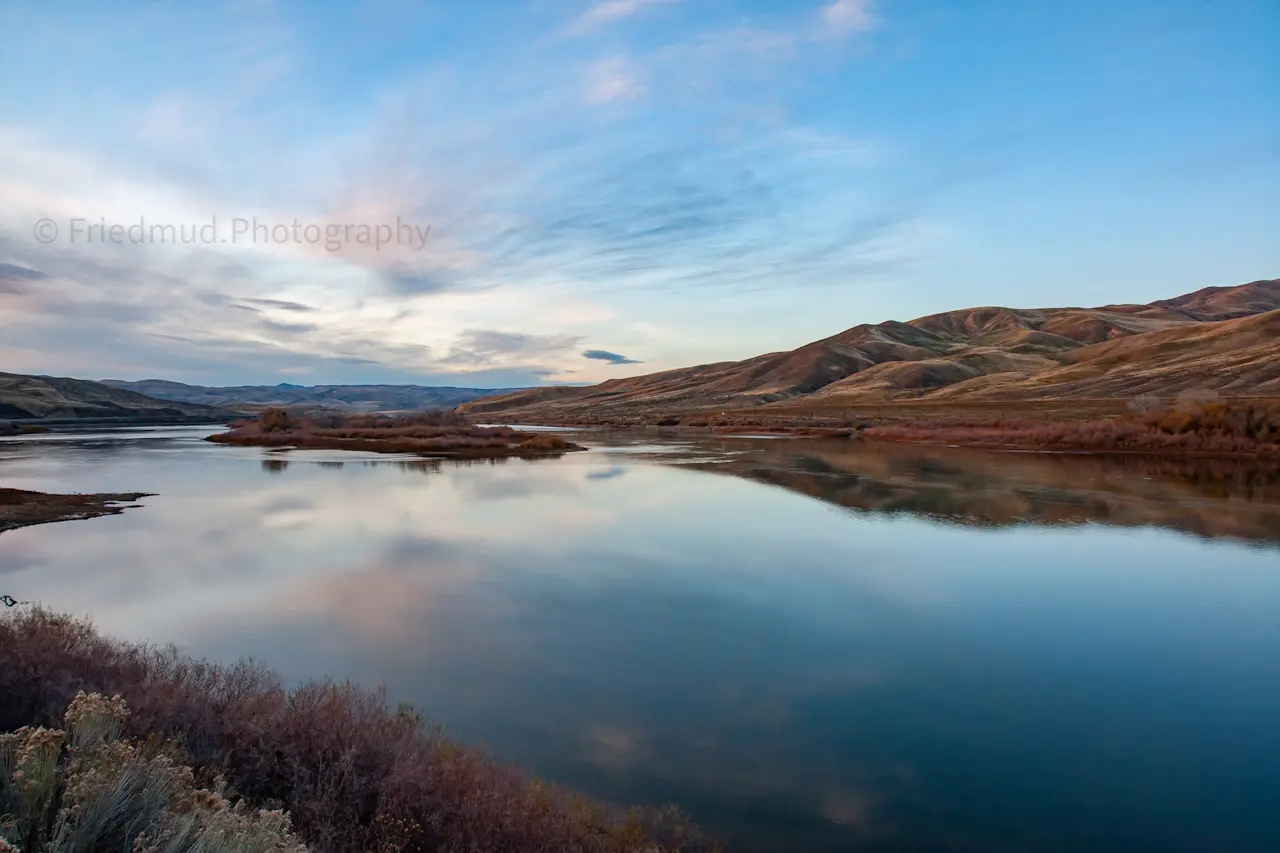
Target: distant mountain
x=1224, y=338
x=371, y=398
x=23, y=397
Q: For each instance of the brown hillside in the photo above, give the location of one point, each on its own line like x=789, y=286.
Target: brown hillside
x=23, y=397
x=1223, y=338
x=1225, y=303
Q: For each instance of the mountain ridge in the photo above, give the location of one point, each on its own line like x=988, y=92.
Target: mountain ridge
x=1223, y=338
x=24, y=397
x=285, y=394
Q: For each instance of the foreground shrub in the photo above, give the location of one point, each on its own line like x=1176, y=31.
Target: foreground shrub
x=353, y=773
x=83, y=789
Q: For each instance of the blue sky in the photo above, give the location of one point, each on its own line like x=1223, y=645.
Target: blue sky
x=613, y=187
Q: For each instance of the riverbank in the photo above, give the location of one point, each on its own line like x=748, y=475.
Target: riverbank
x=353, y=772
x=21, y=508
x=1228, y=428
x=441, y=435
x=692, y=426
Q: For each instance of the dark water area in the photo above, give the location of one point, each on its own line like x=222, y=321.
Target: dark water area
x=808, y=645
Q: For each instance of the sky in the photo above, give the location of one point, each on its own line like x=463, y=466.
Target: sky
x=504, y=194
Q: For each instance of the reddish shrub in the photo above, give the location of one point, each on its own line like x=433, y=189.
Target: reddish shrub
x=1224, y=427
x=276, y=420
x=355, y=774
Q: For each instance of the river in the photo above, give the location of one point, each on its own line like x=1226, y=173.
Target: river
x=809, y=645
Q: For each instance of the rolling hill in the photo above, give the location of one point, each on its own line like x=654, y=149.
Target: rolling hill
x=23, y=397
x=1221, y=338
x=379, y=398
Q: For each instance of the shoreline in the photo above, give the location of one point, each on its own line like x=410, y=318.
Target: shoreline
x=1231, y=429
x=22, y=508
x=793, y=431
x=1171, y=453
x=960, y=443
x=353, y=771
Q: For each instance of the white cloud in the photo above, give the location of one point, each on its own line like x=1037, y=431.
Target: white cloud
x=608, y=11
x=546, y=216
x=849, y=16
x=613, y=79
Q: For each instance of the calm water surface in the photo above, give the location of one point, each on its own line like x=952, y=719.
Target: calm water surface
x=811, y=646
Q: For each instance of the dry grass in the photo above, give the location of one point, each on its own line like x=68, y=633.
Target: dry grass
x=1235, y=427
x=354, y=774
x=445, y=434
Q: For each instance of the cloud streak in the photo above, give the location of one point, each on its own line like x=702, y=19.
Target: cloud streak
x=279, y=304
x=608, y=12
x=849, y=16
x=554, y=196
x=613, y=79
x=610, y=357
x=485, y=347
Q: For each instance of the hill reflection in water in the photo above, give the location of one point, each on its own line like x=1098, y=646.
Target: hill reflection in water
x=1236, y=498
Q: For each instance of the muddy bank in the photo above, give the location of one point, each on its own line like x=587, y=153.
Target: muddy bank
x=20, y=508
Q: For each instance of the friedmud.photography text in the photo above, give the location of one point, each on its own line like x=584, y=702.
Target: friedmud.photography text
x=236, y=231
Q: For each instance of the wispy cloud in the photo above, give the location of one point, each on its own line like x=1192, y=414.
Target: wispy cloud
x=14, y=278
x=613, y=79
x=282, y=304
x=550, y=194
x=606, y=12
x=486, y=348
x=850, y=16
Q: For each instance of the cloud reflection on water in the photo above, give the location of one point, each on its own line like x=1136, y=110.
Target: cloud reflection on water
x=723, y=641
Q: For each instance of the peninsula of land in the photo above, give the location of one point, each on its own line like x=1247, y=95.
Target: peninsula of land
x=22, y=508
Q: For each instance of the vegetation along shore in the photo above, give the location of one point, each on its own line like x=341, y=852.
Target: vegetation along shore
x=188, y=746
x=1189, y=425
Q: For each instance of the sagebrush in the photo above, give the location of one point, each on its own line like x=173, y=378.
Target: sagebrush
x=81, y=788
x=353, y=773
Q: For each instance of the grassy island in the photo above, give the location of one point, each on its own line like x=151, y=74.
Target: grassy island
x=439, y=434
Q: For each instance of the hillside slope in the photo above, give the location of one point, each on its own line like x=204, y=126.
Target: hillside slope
x=1225, y=338
x=24, y=397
